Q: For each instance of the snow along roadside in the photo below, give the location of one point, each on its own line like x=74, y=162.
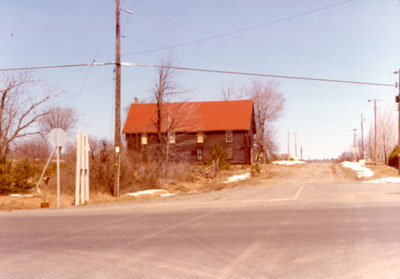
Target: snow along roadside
x=359, y=169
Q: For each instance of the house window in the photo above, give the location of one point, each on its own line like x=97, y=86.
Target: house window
x=199, y=154
x=229, y=136
x=172, y=138
x=200, y=137
x=144, y=139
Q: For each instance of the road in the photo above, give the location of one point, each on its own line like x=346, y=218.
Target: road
x=307, y=222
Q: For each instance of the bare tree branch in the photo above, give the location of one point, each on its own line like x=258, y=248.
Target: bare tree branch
x=268, y=105
x=58, y=117
x=386, y=136
x=21, y=102
x=232, y=93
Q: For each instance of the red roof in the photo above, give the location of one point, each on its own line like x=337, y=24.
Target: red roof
x=191, y=116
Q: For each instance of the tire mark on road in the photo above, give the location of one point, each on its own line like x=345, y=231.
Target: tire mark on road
x=232, y=268
x=73, y=231
x=139, y=264
x=208, y=247
x=171, y=227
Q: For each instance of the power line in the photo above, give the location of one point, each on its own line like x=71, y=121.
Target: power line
x=248, y=41
x=243, y=29
x=91, y=88
x=259, y=74
x=200, y=70
x=55, y=66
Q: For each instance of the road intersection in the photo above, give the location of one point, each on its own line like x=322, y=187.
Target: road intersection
x=310, y=224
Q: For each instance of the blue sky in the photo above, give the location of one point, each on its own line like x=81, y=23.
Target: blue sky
x=334, y=39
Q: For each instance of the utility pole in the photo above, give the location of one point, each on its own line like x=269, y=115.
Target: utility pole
x=288, y=145
x=301, y=152
x=117, y=141
x=398, y=136
x=375, y=131
x=355, y=146
x=362, y=137
x=295, y=145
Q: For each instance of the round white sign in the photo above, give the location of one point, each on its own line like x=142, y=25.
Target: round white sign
x=57, y=137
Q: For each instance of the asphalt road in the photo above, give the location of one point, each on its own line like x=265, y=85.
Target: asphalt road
x=313, y=226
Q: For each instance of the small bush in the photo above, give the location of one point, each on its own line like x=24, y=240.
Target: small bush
x=255, y=169
x=16, y=179
x=101, y=165
x=219, y=155
x=138, y=173
x=393, y=159
x=180, y=171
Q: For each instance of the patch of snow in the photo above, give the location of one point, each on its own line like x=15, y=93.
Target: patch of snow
x=385, y=180
x=238, y=177
x=167, y=195
x=288, y=163
x=360, y=170
x=20, y=195
x=153, y=192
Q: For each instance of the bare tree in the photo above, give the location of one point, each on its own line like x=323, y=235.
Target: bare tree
x=170, y=117
x=232, y=93
x=386, y=136
x=21, y=107
x=269, y=104
x=178, y=117
x=164, y=88
x=387, y=131
x=167, y=121
x=59, y=117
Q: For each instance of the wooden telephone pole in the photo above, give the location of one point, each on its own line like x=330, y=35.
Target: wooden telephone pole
x=355, y=145
x=288, y=146
x=117, y=140
x=362, y=137
x=398, y=136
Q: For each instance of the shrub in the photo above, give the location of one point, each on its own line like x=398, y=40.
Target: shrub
x=5, y=178
x=255, y=169
x=219, y=154
x=393, y=159
x=137, y=173
x=181, y=171
x=16, y=179
x=101, y=165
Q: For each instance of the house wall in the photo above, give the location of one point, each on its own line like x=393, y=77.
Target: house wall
x=185, y=147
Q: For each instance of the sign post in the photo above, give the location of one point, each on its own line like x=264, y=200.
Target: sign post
x=82, y=169
x=57, y=138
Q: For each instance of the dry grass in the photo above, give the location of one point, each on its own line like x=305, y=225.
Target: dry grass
x=205, y=185
x=349, y=173
x=8, y=203
x=381, y=170
x=12, y=203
